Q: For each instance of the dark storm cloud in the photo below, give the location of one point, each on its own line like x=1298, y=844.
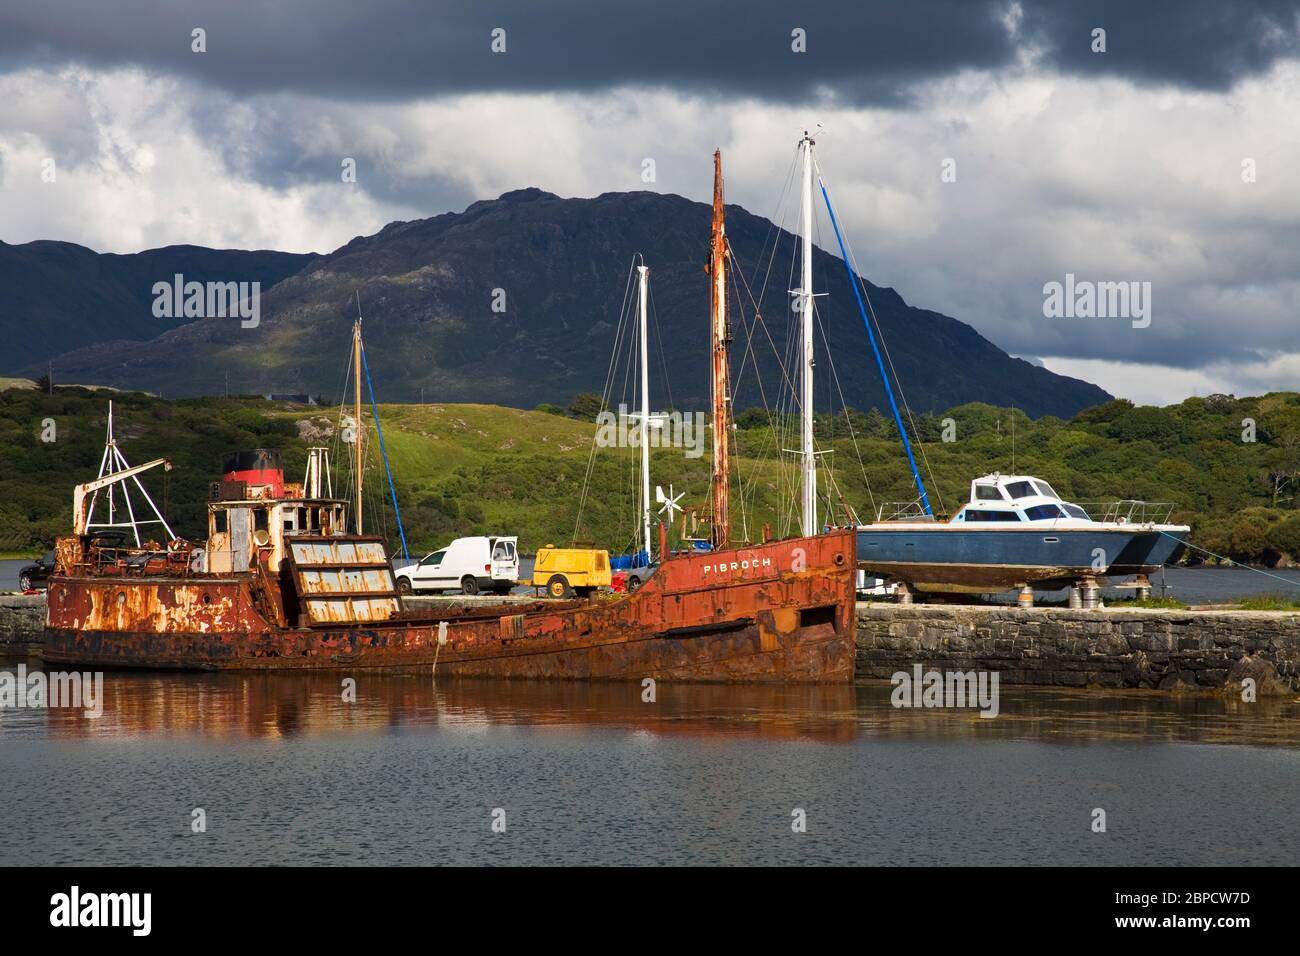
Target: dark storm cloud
x=857, y=51
x=1198, y=43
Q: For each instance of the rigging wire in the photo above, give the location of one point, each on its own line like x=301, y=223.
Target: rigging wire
x=663, y=356
x=847, y=417
x=337, y=443
x=782, y=420
x=379, y=432
x=859, y=287
x=609, y=379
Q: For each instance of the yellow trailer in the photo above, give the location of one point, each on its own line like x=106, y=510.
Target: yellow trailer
x=566, y=571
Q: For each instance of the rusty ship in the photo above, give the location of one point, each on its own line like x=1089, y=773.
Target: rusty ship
x=313, y=597
x=283, y=583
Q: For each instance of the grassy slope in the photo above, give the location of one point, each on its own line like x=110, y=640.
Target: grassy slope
x=464, y=469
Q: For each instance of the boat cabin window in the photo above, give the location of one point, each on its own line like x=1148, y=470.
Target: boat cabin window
x=1045, y=489
x=331, y=518
x=977, y=515
x=1021, y=489
x=260, y=521
x=988, y=493
x=1043, y=512
x=1074, y=511
x=433, y=560
x=219, y=522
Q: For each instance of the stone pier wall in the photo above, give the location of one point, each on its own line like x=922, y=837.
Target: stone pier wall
x=1156, y=648
x=22, y=619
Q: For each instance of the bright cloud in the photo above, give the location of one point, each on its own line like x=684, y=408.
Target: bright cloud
x=1055, y=174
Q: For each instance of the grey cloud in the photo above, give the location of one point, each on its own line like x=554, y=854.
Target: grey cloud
x=1206, y=44
x=857, y=52
x=318, y=67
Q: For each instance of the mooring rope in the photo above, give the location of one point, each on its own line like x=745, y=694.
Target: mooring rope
x=1278, y=577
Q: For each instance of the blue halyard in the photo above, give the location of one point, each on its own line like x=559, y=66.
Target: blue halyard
x=380, y=431
x=880, y=364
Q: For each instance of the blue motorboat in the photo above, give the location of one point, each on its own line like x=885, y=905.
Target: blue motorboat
x=1014, y=532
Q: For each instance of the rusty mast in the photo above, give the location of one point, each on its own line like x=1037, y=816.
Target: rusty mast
x=356, y=409
x=721, y=339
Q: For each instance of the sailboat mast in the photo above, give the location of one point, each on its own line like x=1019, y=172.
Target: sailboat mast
x=806, y=313
x=642, y=273
x=721, y=530
x=356, y=411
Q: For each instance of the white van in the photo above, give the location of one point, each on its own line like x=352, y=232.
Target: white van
x=468, y=565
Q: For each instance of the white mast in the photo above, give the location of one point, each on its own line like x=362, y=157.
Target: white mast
x=642, y=272
x=806, y=313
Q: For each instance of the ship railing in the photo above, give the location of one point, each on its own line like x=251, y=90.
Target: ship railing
x=136, y=560
x=1129, y=511
x=902, y=511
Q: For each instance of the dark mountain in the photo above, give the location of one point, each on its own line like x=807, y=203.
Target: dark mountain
x=57, y=294
x=427, y=291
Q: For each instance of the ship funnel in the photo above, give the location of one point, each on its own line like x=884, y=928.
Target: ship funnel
x=259, y=471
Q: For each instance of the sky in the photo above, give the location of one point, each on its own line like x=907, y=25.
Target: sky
x=976, y=151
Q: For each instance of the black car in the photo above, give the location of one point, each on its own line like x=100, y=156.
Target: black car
x=36, y=575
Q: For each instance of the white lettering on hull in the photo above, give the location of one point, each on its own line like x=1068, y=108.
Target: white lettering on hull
x=745, y=564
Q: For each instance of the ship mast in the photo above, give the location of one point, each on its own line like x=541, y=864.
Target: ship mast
x=805, y=300
x=356, y=411
x=721, y=529
x=642, y=273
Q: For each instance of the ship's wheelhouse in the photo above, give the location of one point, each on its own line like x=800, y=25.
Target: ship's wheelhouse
x=235, y=528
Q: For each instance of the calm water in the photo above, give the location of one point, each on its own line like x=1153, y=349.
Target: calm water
x=289, y=773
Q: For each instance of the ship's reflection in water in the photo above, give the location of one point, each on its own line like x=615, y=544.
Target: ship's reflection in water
x=287, y=770
x=289, y=705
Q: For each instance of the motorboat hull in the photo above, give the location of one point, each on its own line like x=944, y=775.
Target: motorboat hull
x=931, y=556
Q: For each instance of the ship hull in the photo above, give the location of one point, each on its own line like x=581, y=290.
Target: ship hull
x=941, y=557
x=776, y=612
x=1152, y=550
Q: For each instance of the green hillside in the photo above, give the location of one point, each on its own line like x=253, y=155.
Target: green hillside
x=463, y=469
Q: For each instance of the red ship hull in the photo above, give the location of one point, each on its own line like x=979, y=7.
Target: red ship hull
x=775, y=612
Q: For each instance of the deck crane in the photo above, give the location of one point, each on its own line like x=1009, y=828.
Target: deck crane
x=79, y=518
